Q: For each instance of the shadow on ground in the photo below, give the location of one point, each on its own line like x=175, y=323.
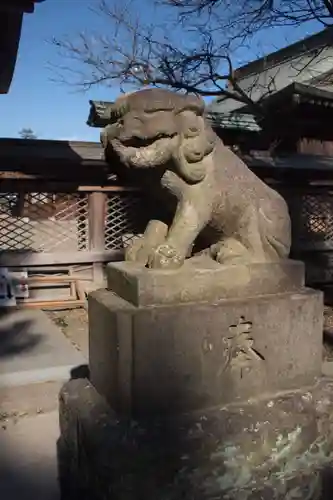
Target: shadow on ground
x=81, y=371
x=27, y=471
x=13, y=337
x=28, y=443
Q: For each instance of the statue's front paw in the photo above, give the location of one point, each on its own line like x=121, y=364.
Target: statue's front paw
x=137, y=251
x=165, y=257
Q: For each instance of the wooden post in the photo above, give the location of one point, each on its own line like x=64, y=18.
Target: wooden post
x=97, y=212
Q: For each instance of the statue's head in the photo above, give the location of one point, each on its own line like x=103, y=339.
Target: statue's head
x=154, y=127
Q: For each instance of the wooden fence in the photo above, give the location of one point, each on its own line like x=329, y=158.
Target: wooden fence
x=52, y=228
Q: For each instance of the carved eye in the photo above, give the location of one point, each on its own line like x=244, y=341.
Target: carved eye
x=192, y=131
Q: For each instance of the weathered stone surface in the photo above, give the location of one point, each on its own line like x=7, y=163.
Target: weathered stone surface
x=165, y=144
x=174, y=359
x=202, y=279
x=273, y=449
x=153, y=236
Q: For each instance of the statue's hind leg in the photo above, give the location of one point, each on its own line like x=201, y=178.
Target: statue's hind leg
x=246, y=245
x=230, y=251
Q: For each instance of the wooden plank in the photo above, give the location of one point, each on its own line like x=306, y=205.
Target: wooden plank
x=72, y=283
x=322, y=183
x=109, y=189
x=81, y=295
x=16, y=175
x=53, y=279
x=97, y=203
x=52, y=304
x=35, y=185
x=97, y=212
x=26, y=259
x=39, y=301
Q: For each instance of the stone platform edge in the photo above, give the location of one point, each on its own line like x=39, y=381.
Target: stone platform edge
x=202, y=279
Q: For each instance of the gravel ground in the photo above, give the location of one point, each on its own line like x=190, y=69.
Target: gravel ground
x=74, y=324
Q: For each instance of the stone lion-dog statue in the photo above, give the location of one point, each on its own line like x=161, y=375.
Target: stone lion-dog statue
x=163, y=136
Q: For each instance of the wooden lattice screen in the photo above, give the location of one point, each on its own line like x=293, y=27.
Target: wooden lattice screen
x=311, y=211
x=94, y=226
x=73, y=227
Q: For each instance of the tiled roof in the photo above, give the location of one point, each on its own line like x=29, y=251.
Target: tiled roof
x=308, y=62
x=99, y=117
x=237, y=121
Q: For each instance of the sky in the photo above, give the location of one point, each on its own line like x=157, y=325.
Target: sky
x=57, y=111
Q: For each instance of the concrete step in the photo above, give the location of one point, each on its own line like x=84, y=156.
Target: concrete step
x=35, y=361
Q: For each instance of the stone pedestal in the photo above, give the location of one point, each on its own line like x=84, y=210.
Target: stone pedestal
x=274, y=449
x=185, y=357
x=199, y=391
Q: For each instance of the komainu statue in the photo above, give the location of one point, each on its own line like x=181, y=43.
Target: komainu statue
x=164, y=137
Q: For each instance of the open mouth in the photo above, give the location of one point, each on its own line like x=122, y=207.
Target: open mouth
x=144, y=153
x=138, y=142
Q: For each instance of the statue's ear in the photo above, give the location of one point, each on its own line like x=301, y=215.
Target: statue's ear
x=196, y=141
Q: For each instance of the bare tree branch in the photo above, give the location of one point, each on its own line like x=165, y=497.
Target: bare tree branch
x=253, y=15
x=136, y=54
x=192, y=50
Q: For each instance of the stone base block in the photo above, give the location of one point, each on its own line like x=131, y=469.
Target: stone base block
x=273, y=449
x=174, y=359
x=202, y=279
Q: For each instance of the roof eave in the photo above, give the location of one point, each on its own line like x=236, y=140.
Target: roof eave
x=11, y=16
x=300, y=47
x=10, y=34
